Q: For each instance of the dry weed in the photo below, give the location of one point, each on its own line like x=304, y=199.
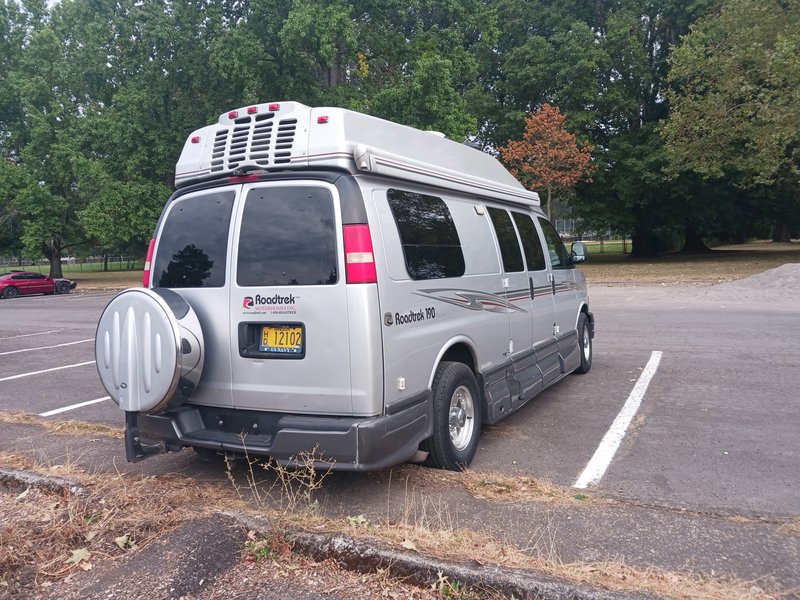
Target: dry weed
x=519, y=489
x=61, y=427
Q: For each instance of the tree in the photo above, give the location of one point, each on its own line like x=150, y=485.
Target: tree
x=735, y=102
x=548, y=156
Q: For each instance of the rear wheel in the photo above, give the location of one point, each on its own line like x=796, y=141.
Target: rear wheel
x=584, y=344
x=10, y=292
x=456, y=418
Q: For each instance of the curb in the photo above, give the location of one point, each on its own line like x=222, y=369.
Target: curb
x=366, y=557
x=359, y=555
x=16, y=479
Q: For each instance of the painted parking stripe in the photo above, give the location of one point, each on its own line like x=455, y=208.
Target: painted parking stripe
x=46, y=347
x=21, y=375
x=64, y=409
x=13, y=337
x=604, y=454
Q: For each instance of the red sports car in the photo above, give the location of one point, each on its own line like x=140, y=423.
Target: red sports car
x=20, y=283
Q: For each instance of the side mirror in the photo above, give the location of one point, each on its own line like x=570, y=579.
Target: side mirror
x=579, y=252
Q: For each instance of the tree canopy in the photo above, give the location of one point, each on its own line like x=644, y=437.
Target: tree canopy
x=97, y=96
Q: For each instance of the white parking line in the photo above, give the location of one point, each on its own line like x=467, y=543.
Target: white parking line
x=13, y=337
x=46, y=347
x=21, y=375
x=57, y=411
x=610, y=443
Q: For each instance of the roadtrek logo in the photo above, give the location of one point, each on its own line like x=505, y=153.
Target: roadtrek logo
x=276, y=304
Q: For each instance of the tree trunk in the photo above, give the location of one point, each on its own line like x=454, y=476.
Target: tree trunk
x=549, y=198
x=53, y=254
x=781, y=232
x=644, y=244
x=694, y=242
x=105, y=262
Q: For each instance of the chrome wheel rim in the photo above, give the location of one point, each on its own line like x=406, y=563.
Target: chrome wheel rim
x=587, y=345
x=462, y=418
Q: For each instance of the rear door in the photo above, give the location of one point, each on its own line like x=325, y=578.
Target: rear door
x=288, y=305
x=191, y=257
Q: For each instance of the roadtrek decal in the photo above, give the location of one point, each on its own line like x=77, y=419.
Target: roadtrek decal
x=276, y=304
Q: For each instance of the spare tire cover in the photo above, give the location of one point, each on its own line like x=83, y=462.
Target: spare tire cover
x=149, y=349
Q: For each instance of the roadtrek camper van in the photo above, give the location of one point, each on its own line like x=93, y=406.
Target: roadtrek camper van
x=325, y=282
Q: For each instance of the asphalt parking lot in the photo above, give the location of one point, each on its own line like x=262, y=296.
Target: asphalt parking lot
x=717, y=428
x=705, y=473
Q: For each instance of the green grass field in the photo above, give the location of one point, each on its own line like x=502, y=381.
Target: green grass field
x=725, y=263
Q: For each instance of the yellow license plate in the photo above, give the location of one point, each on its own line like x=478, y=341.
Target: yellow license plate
x=282, y=340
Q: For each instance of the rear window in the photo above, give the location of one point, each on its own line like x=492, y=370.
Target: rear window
x=193, y=243
x=431, y=246
x=288, y=237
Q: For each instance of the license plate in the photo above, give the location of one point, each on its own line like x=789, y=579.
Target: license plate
x=281, y=340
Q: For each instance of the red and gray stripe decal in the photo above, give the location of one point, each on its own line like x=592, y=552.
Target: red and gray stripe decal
x=502, y=302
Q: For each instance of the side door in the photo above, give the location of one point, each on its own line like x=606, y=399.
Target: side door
x=22, y=283
x=543, y=311
x=564, y=296
x=39, y=284
x=524, y=377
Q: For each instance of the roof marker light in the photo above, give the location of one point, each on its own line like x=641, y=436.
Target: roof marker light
x=275, y=106
x=195, y=139
x=251, y=110
x=323, y=119
x=233, y=114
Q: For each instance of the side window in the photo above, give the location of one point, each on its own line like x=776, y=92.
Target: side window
x=288, y=237
x=431, y=246
x=193, y=242
x=559, y=257
x=530, y=241
x=507, y=237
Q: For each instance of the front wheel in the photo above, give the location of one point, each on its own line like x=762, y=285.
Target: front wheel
x=584, y=344
x=10, y=292
x=457, y=418
x=62, y=287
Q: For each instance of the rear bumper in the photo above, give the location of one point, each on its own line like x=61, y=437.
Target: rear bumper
x=342, y=443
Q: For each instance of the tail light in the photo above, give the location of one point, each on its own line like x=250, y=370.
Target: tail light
x=359, y=260
x=147, y=261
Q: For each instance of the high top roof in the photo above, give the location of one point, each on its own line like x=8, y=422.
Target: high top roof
x=289, y=135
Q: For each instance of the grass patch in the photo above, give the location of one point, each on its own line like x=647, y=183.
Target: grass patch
x=517, y=489
x=48, y=537
x=61, y=427
x=726, y=263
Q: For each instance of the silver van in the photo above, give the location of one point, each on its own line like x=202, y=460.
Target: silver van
x=327, y=282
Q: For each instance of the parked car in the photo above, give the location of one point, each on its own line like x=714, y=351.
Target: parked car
x=23, y=283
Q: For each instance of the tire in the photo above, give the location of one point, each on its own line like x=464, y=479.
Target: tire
x=10, y=292
x=584, y=344
x=62, y=287
x=455, y=398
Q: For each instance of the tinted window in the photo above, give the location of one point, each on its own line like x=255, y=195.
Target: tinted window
x=430, y=241
x=507, y=237
x=559, y=257
x=35, y=276
x=288, y=237
x=193, y=242
x=531, y=243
